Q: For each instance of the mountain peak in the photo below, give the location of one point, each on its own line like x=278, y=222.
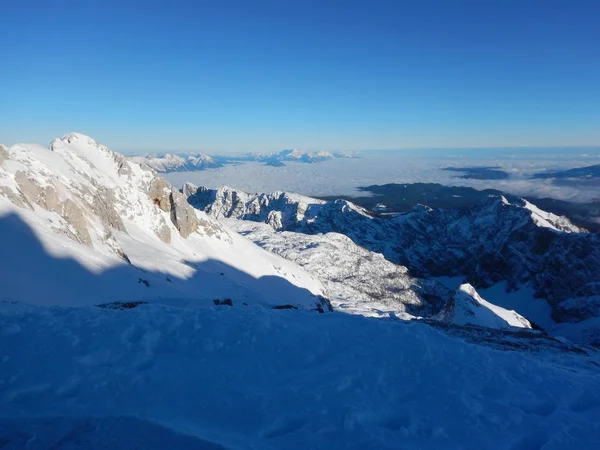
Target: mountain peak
x=74, y=137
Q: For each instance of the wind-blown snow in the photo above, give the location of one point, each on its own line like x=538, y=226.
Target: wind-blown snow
x=237, y=378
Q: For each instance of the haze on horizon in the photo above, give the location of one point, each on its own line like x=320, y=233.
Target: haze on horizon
x=262, y=76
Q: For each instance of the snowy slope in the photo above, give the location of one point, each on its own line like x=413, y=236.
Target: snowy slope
x=83, y=225
x=158, y=377
x=358, y=281
x=469, y=308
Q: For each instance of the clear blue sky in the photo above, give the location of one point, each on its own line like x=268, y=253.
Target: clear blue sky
x=250, y=75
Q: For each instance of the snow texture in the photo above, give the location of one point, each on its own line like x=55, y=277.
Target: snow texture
x=157, y=376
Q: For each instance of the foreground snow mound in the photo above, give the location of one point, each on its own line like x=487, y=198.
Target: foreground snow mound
x=468, y=308
x=80, y=224
x=239, y=378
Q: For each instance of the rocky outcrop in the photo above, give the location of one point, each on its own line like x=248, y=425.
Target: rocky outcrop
x=3, y=154
x=103, y=206
x=44, y=196
x=171, y=201
x=71, y=212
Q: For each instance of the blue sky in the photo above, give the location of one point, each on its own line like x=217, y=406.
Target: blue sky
x=246, y=75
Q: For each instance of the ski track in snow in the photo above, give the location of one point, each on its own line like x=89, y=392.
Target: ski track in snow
x=248, y=377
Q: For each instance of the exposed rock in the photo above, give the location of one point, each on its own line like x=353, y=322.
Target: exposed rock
x=225, y=302
x=15, y=197
x=3, y=154
x=158, y=191
x=163, y=231
x=285, y=307
x=183, y=215
x=103, y=207
x=170, y=200
x=73, y=214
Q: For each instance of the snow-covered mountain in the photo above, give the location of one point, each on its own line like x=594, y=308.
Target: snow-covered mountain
x=183, y=162
x=279, y=158
x=83, y=225
x=496, y=241
x=177, y=163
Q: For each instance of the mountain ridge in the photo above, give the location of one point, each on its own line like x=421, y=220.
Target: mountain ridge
x=128, y=233
x=492, y=242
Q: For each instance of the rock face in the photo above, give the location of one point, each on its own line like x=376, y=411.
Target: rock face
x=3, y=154
x=171, y=201
x=493, y=242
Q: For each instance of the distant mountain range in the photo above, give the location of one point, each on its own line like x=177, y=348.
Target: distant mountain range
x=169, y=162
x=579, y=172
x=177, y=163
x=393, y=198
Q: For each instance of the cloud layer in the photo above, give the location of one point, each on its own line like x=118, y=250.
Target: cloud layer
x=344, y=176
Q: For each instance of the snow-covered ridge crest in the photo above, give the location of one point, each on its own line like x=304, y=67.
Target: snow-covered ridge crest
x=469, y=308
x=127, y=226
x=281, y=210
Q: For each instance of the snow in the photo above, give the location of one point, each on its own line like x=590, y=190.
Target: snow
x=169, y=162
x=549, y=220
x=46, y=265
x=471, y=309
x=180, y=371
x=247, y=377
x=358, y=281
x=522, y=300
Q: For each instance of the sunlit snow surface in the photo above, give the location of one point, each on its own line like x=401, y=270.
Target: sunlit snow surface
x=247, y=377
